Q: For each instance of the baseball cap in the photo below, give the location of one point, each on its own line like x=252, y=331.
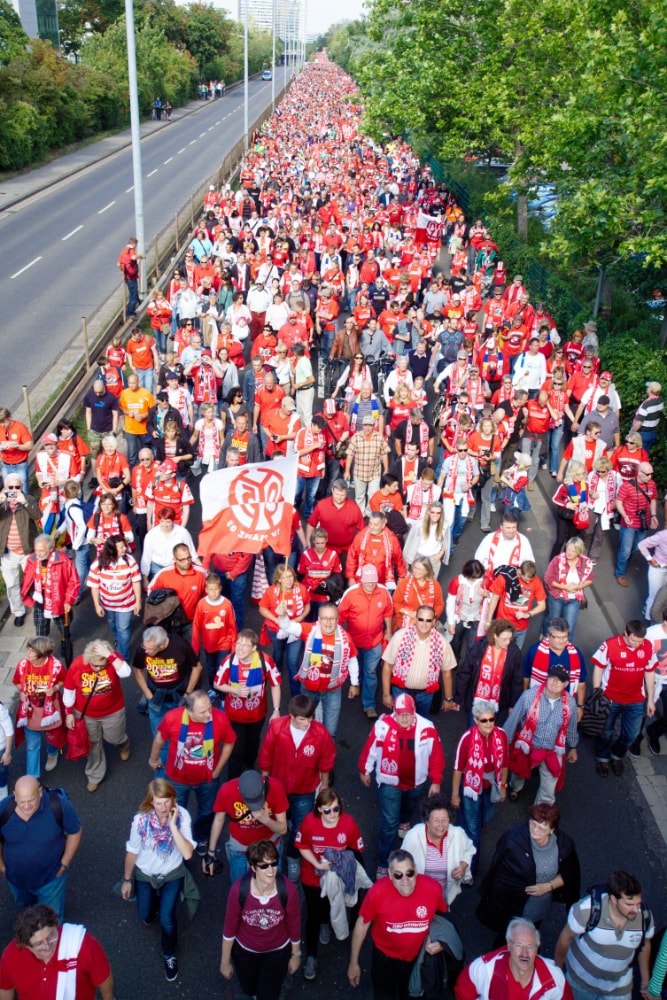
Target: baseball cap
x=369, y=574
x=559, y=671
x=368, y=419
x=404, y=703
x=606, y=375
x=329, y=407
x=168, y=466
x=171, y=374
x=289, y=403
x=162, y=396
x=252, y=791
x=49, y=439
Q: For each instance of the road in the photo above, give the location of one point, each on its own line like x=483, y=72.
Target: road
x=62, y=245
x=609, y=820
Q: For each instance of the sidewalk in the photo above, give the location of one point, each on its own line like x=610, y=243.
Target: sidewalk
x=33, y=182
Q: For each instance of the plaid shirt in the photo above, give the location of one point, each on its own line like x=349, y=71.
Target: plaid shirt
x=549, y=720
x=367, y=454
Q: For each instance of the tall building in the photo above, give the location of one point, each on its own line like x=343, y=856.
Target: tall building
x=290, y=21
x=39, y=19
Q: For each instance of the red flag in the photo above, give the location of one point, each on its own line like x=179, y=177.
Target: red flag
x=429, y=229
x=247, y=508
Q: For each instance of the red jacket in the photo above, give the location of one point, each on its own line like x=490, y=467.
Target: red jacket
x=375, y=553
x=62, y=583
x=298, y=770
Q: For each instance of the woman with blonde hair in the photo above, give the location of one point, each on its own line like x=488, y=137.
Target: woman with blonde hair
x=415, y=590
x=428, y=538
x=571, y=505
x=159, y=844
x=286, y=599
x=566, y=578
x=603, y=483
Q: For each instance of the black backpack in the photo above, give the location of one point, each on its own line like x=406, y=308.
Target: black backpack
x=56, y=796
x=596, y=894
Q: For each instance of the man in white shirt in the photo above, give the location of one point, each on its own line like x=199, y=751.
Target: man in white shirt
x=530, y=371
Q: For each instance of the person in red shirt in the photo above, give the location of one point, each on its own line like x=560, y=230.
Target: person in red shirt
x=366, y=611
x=15, y=444
x=529, y=601
x=624, y=668
x=379, y=546
x=92, y=686
x=200, y=740
x=143, y=358
x=636, y=502
x=537, y=427
x=327, y=828
x=30, y=966
x=340, y=517
x=213, y=628
x=300, y=753
x=318, y=563
x=257, y=809
x=398, y=911
x=169, y=490
x=387, y=497
x=189, y=582
x=143, y=474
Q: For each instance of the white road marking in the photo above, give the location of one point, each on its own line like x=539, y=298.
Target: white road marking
x=129, y=189
x=201, y=134
x=218, y=122
x=111, y=203
x=26, y=267
x=152, y=172
x=211, y=128
x=181, y=151
x=193, y=142
x=168, y=161
x=72, y=233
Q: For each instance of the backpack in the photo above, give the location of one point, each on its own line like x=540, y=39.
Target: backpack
x=131, y=546
x=450, y=345
x=87, y=507
x=596, y=894
x=244, y=889
x=56, y=796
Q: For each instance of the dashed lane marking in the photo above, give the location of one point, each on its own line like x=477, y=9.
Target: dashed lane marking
x=111, y=203
x=72, y=233
x=26, y=267
x=152, y=172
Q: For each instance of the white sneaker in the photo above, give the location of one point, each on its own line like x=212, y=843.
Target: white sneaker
x=492, y=508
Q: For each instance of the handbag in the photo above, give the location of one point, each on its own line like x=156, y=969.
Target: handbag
x=596, y=711
x=78, y=740
x=582, y=518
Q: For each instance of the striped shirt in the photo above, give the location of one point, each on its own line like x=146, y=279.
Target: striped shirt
x=115, y=583
x=600, y=960
x=649, y=413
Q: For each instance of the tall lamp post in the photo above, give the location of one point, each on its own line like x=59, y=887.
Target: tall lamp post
x=135, y=122
x=245, y=78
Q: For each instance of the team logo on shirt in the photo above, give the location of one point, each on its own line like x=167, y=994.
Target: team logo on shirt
x=421, y=911
x=341, y=838
x=309, y=750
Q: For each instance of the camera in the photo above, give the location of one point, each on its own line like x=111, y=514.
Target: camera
x=643, y=520
x=10, y=495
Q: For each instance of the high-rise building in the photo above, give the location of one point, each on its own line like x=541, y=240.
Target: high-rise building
x=39, y=19
x=290, y=21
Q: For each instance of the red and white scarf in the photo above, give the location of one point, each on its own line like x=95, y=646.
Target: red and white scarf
x=514, y=560
x=405, y=653
x=365, y=541
x=610, y=482
x=424, y=595
x=453, y=474
x=564, y=569
x=421, y=498
x=524, y=739
x=542, y=661
x=473, y=774
x=491, y=674
x=423, y=436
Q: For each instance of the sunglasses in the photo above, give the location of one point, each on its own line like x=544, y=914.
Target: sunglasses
x=327, y=810
x=410, y=873
x=490, y=719
x=263, y=865
x=429, y=621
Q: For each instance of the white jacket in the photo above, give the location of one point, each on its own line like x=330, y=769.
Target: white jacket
x=459, y=848
x=332, y=887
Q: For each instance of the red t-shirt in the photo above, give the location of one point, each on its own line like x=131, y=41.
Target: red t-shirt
x=538, y=418
x=22, y=971
x=254, y=707
x=624, y=669
x=108, y=695
x=317, y=837
x=192, y=768
x=341, y=523
x=532, y=592
x=401, y=923
x=214, y=625
x=243, y=827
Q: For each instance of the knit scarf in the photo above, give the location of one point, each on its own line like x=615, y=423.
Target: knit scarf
x=493, y=358
x=423, y=436
x=44, y=594
x=578, y=493
x=523, y=741
x=421, y=498
x=474, y=769
x=253, y=678
x=415, y=596
x=490, y=674
x=208, y=743
x=542, y=659
x=463, y=586
x=315, y=672
x=405, y=653
x=476, y=393
x=159, y=834
x=375, y=408
x=457, y=380
x=452, y=476
x=610, y=498
x=365, y=541
x=564, y=569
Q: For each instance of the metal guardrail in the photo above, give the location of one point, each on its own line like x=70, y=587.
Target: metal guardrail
x=109, y=319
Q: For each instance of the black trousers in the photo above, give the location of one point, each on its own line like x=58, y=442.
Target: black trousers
x=390, y=976
x=261, y=974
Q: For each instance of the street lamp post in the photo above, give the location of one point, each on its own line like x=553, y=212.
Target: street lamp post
x=135, y=122
x=245, y=78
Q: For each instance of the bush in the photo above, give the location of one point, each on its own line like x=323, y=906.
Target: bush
x=21, y=135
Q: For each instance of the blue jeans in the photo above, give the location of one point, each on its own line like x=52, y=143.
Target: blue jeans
x=474, y=814
x=331, y=702
x=161, y=340
x=146, y=378
x=210, y=662
x=299, y=807
x=132, y=285
x=51, y=894
x=238, y=860
x=20, y=470
x=555, y=438
x=135, y=443
x=648, y=439
x=120, y=623
x=205, y=794
x=33, y=750
x=558, y=607
x=631, y=716
x=309, y=486
x=422, y=699
x=630, y=539
x=292, y=653
x=369, y=660
x=459, y=522
x=164, y=902
x=235, y=591
x=82, y=564
x=396, y=806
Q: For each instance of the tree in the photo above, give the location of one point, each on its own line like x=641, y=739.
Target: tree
x=13, y=39
x=207, y=34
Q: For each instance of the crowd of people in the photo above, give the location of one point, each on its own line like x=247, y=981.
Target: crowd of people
x=453, y=393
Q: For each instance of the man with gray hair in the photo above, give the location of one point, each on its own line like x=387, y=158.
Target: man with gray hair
x=165, y=668
x=19, y=516
x=516, y=969
x=50, y=584
x=201, y=740
x=101, y=410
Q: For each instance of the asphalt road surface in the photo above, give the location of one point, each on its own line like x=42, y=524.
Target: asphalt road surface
x=609, y=821
x=61, y=246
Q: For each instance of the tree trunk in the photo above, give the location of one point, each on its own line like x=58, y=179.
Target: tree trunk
x=522, y=216
x=607, y=289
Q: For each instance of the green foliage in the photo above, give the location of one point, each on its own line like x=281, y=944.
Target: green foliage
x=20, y=134
x=207, y=33
x=13, y=38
